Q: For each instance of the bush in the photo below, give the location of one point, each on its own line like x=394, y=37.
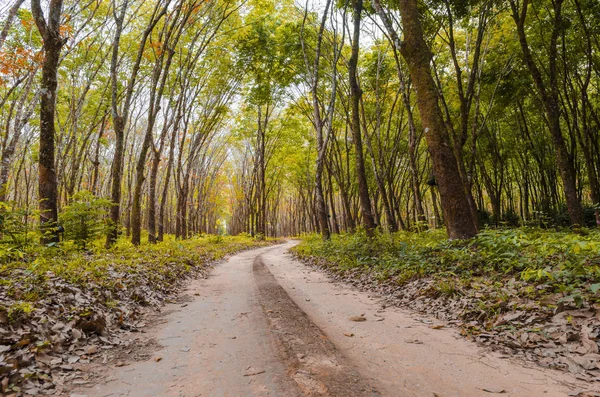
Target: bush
x=16, y=231
x=84, y=219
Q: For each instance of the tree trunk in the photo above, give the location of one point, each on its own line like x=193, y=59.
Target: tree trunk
x=413, y=138
x=152, y=238
x=119, y=127
x=22, y=115
x=96, y=161
x=47, y=183
x=335, y=223
x=355, y=94
x=140, y=177
x=457, y=214
x=165, y=191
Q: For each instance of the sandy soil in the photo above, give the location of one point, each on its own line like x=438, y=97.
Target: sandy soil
x=264, y=324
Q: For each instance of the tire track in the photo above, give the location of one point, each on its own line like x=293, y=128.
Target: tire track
x=314, y=363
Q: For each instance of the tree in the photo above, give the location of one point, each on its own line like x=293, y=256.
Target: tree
x=261, y=117
x=47, y=184
x=457, y=213
x=548, y=91
x=121, y=110
x=355, y=94
x=322, y=115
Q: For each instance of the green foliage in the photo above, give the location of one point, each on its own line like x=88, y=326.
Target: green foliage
x=84, y=219
x=269, y=50
x=19, y=310
x=124, y=267
x=16, y=231
x=560, y=261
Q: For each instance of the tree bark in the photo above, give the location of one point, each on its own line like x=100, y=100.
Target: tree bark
x=355, y=94
x=457, y=214
x=165, y=191
x=47, y=183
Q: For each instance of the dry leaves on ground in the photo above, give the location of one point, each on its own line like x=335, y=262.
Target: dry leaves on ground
x=552, y=333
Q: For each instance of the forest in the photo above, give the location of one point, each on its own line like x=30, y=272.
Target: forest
x=275, y=118
x=436, y=148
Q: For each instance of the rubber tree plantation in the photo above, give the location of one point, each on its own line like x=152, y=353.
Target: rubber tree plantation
x=442, y=154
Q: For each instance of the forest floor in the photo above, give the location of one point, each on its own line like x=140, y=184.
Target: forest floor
x=263, y=323
x=527, y=292
x=62, y=308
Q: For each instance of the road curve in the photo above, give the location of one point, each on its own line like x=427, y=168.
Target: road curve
x=263, y=324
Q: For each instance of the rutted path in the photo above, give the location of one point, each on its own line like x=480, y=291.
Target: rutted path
x=266, y=325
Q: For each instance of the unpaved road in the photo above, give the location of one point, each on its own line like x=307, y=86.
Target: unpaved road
x=266, y=325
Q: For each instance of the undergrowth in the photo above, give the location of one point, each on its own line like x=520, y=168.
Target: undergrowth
x=548, y=261
x=122, y=267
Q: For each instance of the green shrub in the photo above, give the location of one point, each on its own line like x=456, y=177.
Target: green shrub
x=562, y=260
x=84, y=219
x=16, y=231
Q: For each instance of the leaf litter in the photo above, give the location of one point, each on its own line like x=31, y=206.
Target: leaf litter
x=550, y=332
x=48, y=347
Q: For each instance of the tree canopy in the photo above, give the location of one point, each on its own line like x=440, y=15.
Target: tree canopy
x=278, y=118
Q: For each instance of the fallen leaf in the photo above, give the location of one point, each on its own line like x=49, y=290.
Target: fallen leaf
x=254, y=373
x=73, y=359
x=496, y=390
x=358, y=319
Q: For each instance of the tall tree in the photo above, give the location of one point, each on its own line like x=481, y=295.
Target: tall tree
x=355, y=94
x=47, y=184
x=548, y=92
x=168, y=38
x=457, y=213
x=121, y=107
x=322, y=115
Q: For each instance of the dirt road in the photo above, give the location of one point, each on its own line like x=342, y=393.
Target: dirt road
x=266, y=325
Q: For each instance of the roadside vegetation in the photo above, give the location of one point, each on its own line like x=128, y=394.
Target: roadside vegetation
x=128, y=127
x=65, y=304
x=526, y=291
